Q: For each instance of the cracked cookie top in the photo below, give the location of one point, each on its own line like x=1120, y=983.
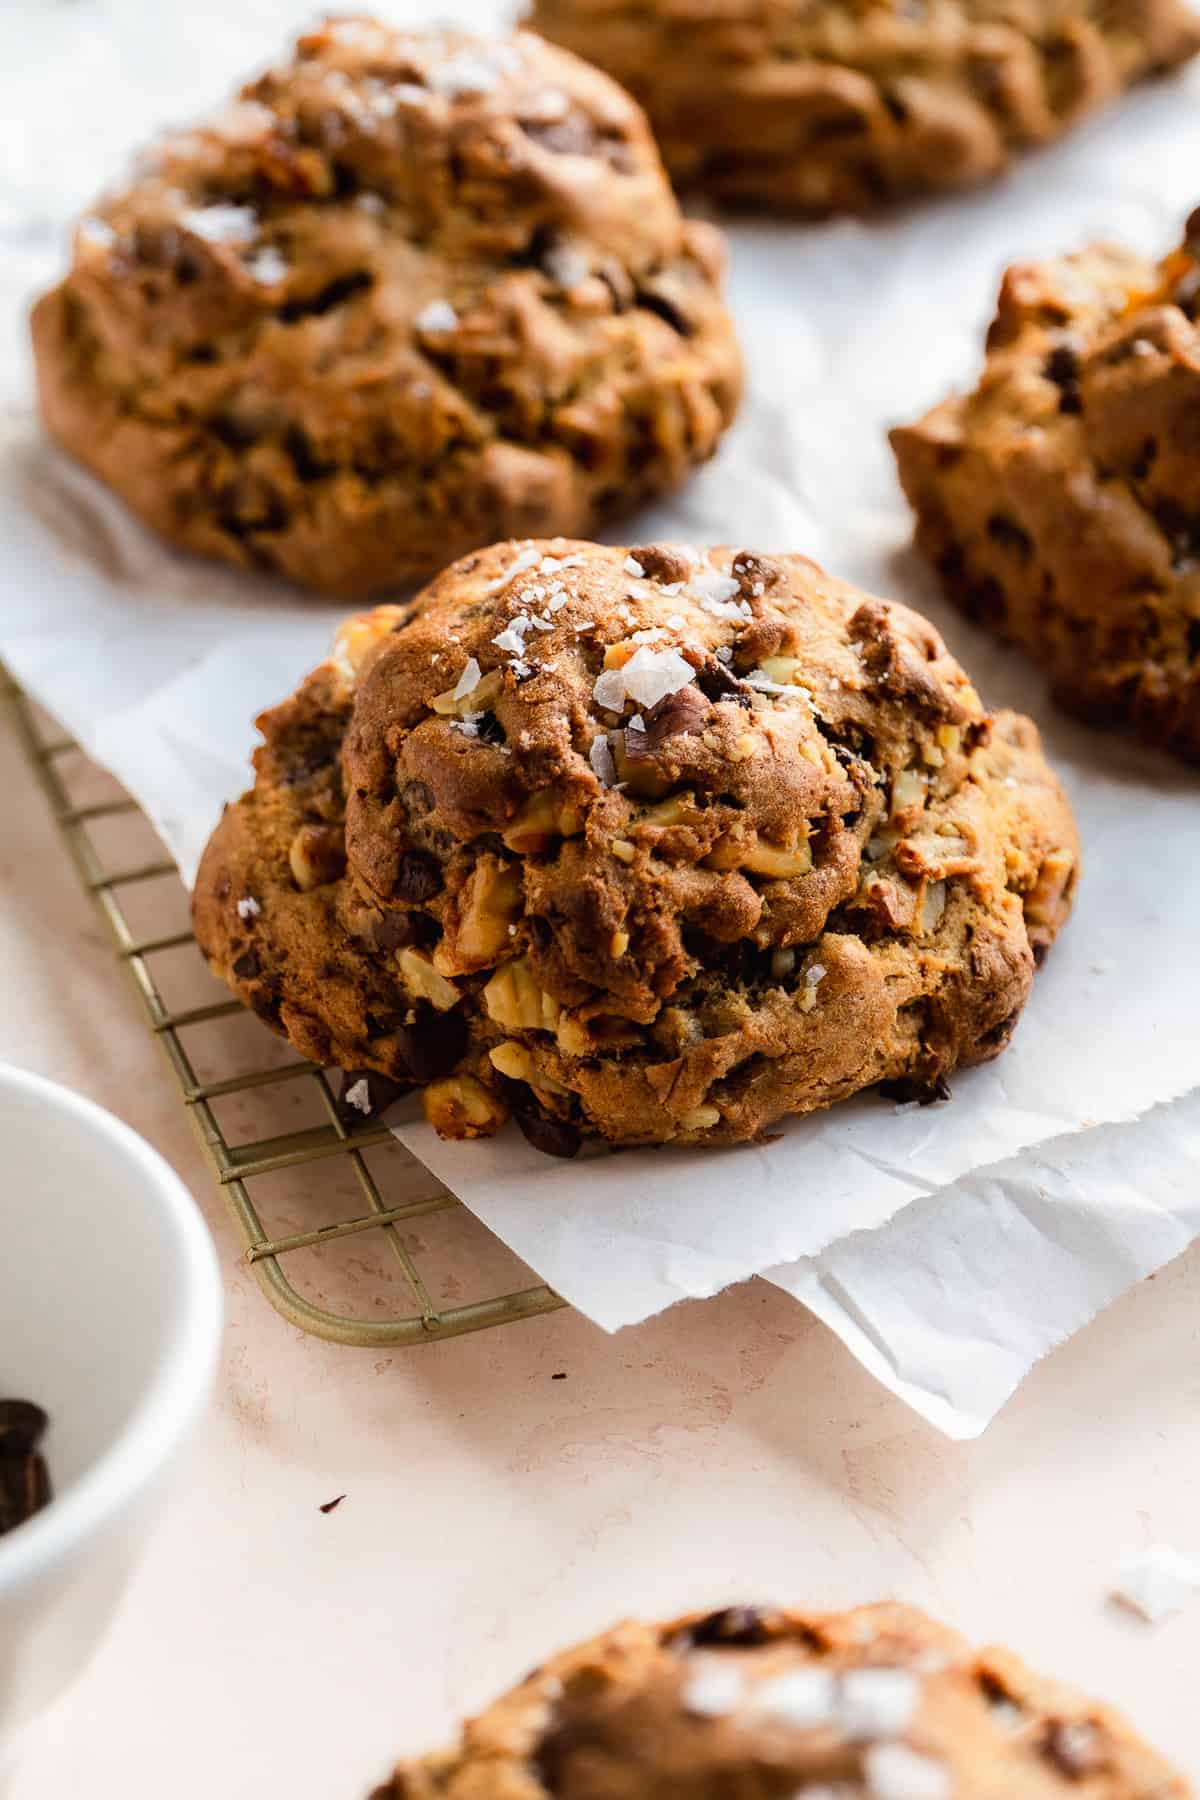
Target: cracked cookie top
x=408, y=293
x=751, y=1703
x=656, y=844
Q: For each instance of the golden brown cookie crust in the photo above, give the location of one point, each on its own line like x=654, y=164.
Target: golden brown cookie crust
x=750, y=1703
x=649, y=845
x=844, y=104
x=407, y=294
x=1060, y=500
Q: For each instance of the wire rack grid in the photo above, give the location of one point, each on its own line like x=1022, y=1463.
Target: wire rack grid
x=395, y=1313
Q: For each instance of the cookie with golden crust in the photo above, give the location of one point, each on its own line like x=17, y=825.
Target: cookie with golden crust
x=647, y=845
x=819, y=106
x=409, y=293
x=756, y=1704
x=1060, y=501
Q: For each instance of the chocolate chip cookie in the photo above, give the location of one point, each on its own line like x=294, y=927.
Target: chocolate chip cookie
x=1060, y=500
x=753, y=1704
x=648, y=845
x=819, y=106
x=408, y=294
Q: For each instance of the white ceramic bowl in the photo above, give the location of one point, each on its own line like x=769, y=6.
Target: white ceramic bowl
x=110, y=1319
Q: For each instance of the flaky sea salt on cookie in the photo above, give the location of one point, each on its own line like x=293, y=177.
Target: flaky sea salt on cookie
x=881, y=1703
x=411, y=292
x=651, y=845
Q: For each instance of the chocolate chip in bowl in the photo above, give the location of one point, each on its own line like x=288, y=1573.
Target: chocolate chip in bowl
x=24, y=1478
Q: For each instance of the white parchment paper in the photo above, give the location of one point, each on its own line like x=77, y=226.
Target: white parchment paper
x=952, y=1246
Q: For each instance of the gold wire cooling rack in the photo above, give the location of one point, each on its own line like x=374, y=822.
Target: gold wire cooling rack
x=371, y=1222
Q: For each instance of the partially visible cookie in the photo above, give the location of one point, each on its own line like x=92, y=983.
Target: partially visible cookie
x=409, y=293
x=881, y=1703
x=1060, y=501
x=819, y=106
x=648, y=846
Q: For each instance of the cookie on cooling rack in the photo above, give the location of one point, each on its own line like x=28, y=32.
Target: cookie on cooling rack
x=752, y=1704
x=1060, y=501
x=647, y=845
x=818, y=106
x=410, y=293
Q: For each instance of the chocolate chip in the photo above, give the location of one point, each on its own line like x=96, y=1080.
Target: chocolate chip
x=392, y=931
x=248, y=966
x=735, y=1627
x=716, y=682
x=419, y=877
x=373, y=1094
x=906, y=1088
x=488, y=729
x=553, y=1137
x=24, y=1479
x=22, y=1426
x=433, y=1043
x=1010, y=536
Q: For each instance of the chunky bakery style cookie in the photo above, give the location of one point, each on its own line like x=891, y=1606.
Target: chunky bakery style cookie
x=644, y=845
x=751, y=1704
x=818, y=106
x=407, y=295
x=1061, y=500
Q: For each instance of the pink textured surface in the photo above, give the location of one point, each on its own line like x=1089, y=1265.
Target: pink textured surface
x=729, y=1449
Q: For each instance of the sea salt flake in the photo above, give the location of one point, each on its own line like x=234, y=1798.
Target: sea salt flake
x=569, y=268
x=724, y=654
x=803, y=1697
x=512, y=638
x=472, y=72
x=438, y=316
x=714, y=592
x=97, y=232
x=525, y=560
x=468, y=727
x=815, y=975
x=469, y=680
x=877, y=1703
x=248, y=907
x=894, y=1772
x=609, y=690
x=637, y=723
x=222, y=224
x=359, y=1097
x=652, y=634
x=542, y=624
x=267, y=266
x=1157, y=1582
x=521, y=669
x=713, y=1691
x=585, y=625
x=601, y=758
x=374, y=205
x=650, y=675
x=633, y=567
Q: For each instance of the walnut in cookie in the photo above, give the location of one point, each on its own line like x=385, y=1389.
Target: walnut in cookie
x=753, y=1703
x=1060, y=501
x=409, y=293
x=650, y=845
x=820, y=106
